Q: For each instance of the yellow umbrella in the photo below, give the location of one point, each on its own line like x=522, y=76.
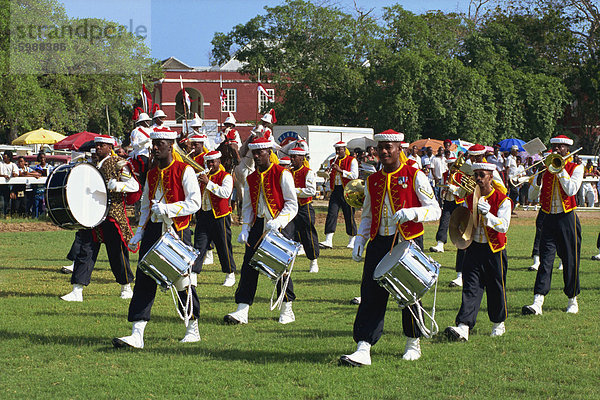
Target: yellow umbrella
x=39, y=136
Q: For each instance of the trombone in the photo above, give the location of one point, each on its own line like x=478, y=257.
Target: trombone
x=188, y=160
x=554, y=163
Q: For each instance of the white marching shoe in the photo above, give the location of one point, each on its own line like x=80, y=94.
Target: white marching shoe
x=229, y=280
x=536, y=307
x=459, y=333
x=301, y=252
x=126, y=291
x=362, y=356
x=314, y=266
x=572, y=306
x=75, y=295
x=355, y=300
x=286, y=315
x=135, y=340
x=560, y=267
x=239, y=316
x=536, y=264
x=68, y=269
x=438, y=248
x=351, y=242
x=498, y=329
x=597, y=256
x=328, y=242
x=457, y=282
x=412, y=351
x=191, y=332
x=209, y=258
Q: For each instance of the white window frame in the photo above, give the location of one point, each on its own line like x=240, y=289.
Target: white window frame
x=230, y=101
x=262, y=98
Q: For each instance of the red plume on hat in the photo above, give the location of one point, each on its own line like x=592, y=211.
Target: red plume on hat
x=272, y=112
x=155, y=108
x=136, y=113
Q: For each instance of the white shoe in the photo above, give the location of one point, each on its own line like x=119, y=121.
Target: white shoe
x=67, y=269
x=209, y=258
x=536, y=264
x=596, y=257
x=457, y=282
x=438, y=248
x=536, y=307
x=229, y=280
x=328, y=242
x=191, y=332
x=286, y=315
x=572, y=306
x=460, y=332
x=412, y=351
x=135, y=340
x=355, y=300
x=351, y=242
x=75, y=295
x=498, y=329
x=362, y=356
x=126, y=292
x=560, y=267
x=239, y=316
x=314, y=267
x=301, y=252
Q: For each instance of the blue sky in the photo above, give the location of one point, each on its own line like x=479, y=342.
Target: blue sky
x=185, y=28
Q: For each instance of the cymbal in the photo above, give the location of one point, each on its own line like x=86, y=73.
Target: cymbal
x=460, y=228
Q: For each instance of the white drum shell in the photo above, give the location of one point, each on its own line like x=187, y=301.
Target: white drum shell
x=274, y=255
x=168, y=260
x=407, y=273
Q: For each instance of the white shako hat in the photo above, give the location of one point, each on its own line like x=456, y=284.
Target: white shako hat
x=269, y=117
x=105, y=139
x=198, y=137
x=159, y=113
x=297, y=151
x=476, y=150
x=230, y=120
x=389, y=135
x=484, y=166
x=260, y=143
x=143, y=117
x=213, y=155
x=404, y=145
x=197, y=123
x=561, y=139
x=341, y=143
x=163, y=133
x=285, y=161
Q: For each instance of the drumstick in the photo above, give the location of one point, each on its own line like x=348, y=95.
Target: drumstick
x=397, y=229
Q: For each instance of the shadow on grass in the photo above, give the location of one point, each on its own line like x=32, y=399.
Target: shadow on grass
x=74, y=340
x=20, y=294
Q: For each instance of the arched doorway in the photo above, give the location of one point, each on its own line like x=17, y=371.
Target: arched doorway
x=197, y=105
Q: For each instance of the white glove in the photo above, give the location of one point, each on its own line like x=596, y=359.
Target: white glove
x=112, y=185
x=403, y=215
x=273, y=225
x=160, y=209
x=243, y=237
x=133, y=242
x=483, y=206
x=359, y=247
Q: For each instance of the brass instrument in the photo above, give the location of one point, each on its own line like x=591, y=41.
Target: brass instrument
x=467, y=183
x=354, y=193
x=554, y=163
x=188, y=160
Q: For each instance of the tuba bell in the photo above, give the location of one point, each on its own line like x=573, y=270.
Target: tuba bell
x=188, y=160
x=354, y=193
x=464, y=181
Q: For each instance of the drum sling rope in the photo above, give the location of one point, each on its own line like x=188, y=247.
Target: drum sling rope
x=188, y=308
x=428, y=333
x=284, y=285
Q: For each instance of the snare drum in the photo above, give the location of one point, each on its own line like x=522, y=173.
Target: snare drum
x=275, y=255
x=168, y=260
x=76, y=196
x=407, y=273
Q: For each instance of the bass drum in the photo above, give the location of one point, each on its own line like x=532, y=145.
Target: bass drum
x=76, y=196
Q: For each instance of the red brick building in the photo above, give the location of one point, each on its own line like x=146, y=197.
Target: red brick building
x=204, y=85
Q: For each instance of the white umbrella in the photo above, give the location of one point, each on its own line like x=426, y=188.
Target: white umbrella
x=362, y=142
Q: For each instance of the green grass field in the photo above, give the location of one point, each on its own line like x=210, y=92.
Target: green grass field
x=53, y=349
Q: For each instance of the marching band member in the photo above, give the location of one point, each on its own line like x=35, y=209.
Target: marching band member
x=269, y=204
x=158, y=118
x=115, y=231
x=171, y=195
x=487, y=263
x=141, y=143
x=397, y=197
x=561, y=231
x=229, y=134
x=197, y=141
x=213, y=220
x=344, y=168
x=476, y=155
x=304, y=223
x=285, y=162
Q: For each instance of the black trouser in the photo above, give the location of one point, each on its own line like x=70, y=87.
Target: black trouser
x=144, y=290
x=447, y=209
x=76, y=246
x=336, y=201
x=368, y=324
x=5, y=197
x=303, y=226
x=513, y=193
x=144, y=164
x=217, y=230
x=117, y=251
x=460, y=259
x=246, y=289
x=539, y=220
x=483, y=270
x=561, y=233
x=19, y=203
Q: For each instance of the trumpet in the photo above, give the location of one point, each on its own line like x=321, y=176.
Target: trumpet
x=554, y=163
x=188, y=160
